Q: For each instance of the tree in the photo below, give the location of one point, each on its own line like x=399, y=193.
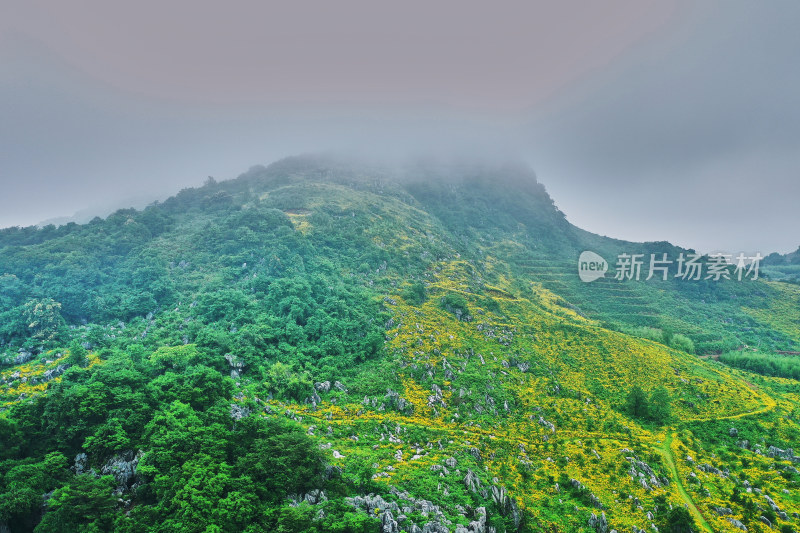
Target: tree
x=77, y=354
x=85, y=504
x=24, y=483
x=198, y=386
x=283, y=382
x=680, y=520
x=636, y=404
x=107, y=439
x=415, y=294
x=456, y=304
x=175, y=357
x=11, y=289
x=44, y=319
x=278, y=456
x=660, y=409
x=681, y=342
x=11, y=437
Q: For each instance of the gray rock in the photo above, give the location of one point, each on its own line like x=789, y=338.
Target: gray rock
x=388, y=523
x=81, y=460
x=595, y=501
x=236, y=364
x=786, y=455
x=437, y=398
x=396, y=401
x=233, y=361
x=23, y=357
x=711, y=470
x=315, y=496
x=737, y=524
x=238, y=412
x=644, y=474
x=471, y=481
x=479, y=525
x=476, y=454
x=775, y=507
x=123, y=468
x=48, y=375
x=548, y=425
x=507, y=505
x=599, y=523
x=435, y=527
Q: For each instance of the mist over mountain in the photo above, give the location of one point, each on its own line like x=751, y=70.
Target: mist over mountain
x=103, y=210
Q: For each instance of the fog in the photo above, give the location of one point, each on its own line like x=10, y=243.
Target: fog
x=662, y=122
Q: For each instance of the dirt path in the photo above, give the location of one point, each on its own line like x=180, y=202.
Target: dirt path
x=666, y=451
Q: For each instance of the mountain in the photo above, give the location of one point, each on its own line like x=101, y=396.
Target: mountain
x=103, y=210
x=784, y=267
x=328, y=344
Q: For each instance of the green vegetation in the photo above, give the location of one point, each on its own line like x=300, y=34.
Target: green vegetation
x=323, y=346
x=415, y=293
x=680, y=521
x=784, y=366
x=456, y=304
x=655, y=408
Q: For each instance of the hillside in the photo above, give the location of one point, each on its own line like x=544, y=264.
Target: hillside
x=330, y=345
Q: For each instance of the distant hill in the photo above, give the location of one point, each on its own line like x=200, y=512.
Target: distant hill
x=784, y=267
x=85, y=215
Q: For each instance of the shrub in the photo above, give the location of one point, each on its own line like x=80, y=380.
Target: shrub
x=415, y=294
x=646, y=332
x=682, y=342
x=456, y=304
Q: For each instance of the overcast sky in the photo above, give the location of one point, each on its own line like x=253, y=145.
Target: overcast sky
x=664, y=120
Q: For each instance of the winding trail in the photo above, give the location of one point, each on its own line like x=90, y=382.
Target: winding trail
x=767, y=404
x=666, y=451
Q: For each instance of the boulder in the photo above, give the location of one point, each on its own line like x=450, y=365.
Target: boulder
x=738, y=525
x=599, y=523
x=123, y=468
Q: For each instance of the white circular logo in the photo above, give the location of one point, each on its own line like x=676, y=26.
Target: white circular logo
x=591, y=266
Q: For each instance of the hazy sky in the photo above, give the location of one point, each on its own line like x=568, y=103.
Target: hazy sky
x=664, y=120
